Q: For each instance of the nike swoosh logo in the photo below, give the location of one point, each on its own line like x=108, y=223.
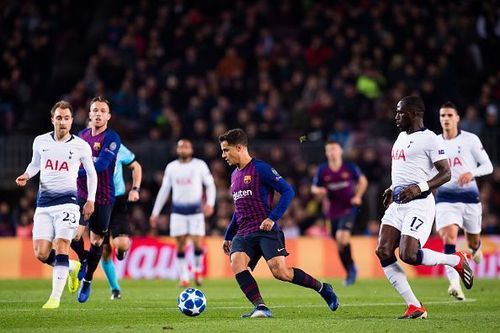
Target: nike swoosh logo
x=279, y=250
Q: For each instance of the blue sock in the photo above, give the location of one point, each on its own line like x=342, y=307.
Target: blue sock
x=303, y=279
x=249, y=287
x=109, y=269
x=449, y=248
x=51, y=259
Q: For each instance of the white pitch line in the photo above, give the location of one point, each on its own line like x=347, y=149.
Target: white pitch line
x=468, y=300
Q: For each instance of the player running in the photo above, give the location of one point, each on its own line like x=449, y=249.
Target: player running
x=119, y=229
x=342, y=185
x=409, y=216
x=254, y=232
x=186, y=177
x=457, y=202
x=105, y=144
x=57, y=156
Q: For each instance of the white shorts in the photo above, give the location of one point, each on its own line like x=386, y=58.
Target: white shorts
x=466, y=215
x=414, y=218
x=53, y=222
x=181, y=225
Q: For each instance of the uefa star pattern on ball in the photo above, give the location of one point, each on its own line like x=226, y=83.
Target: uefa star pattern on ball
x=192, y=302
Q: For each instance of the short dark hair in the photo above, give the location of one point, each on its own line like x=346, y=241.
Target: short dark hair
x=449, y=105
x=63, y=105
x=414, y=103
x=235, y=136
x=333, y=142
x=101, y=99
x=185, y=139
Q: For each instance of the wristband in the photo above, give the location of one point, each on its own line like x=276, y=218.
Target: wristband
x=135, y=188
x=424, y=187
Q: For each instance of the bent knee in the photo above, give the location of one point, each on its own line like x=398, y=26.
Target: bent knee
x=123, y=245
x=408, y=257
x=383, y=252
x=41, y=256
x=237, y=267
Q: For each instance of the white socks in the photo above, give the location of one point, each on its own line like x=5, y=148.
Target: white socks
x=71, y=265
x=59, y=277
x=433, y=258
x=452, y=275
x=198, y=263
x=182, y=269
x=397, y=277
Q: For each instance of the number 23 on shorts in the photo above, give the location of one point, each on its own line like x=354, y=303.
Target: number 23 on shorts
x=69, y=219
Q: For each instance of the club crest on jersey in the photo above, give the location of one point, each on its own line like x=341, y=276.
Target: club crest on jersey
x=398, y=154
x=97, y=146
x=56, y=165
x=247, y=179
x=344, y=175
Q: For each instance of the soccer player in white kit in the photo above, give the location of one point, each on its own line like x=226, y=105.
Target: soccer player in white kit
x=57, y=156
x=186, y=177
x=457, y=202
x=408, y=219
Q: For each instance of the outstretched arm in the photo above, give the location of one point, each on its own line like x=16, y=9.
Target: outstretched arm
x=33, y=168
x=231, y=231
x=136, y=168
x=161, y=199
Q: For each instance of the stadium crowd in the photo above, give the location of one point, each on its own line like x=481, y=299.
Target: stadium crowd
x=279, y=70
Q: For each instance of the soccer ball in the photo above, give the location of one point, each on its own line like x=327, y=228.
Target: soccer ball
x=192, y=302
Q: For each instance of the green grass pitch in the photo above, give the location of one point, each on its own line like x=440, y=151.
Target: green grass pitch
x=150, y=306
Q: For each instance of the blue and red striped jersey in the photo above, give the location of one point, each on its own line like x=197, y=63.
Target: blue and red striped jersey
x=253, y=190
x=340, y=184
x=105, y=148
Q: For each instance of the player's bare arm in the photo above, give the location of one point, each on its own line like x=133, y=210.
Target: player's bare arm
x=443, y=176
x=22, y=179
x=208, y=210
x=319, y=191
x=88, y=209
x=387, y=197
x=465, y=178
x=134, y=194
x=153, y=222
x=361, y=187
x=226, y=247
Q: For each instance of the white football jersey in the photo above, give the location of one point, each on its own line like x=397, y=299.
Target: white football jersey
x=465, y=154
x=58, y=164
x=186, y=181
x=413, y=156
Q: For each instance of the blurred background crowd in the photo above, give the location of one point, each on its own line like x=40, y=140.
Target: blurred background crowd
x=277, y=69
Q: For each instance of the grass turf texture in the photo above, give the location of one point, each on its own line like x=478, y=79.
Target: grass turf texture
x=150, y=306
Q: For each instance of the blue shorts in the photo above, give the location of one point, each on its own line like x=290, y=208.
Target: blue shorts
x=267, y=244
x=345, y=222
x=119, y=217
x=99, y=220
